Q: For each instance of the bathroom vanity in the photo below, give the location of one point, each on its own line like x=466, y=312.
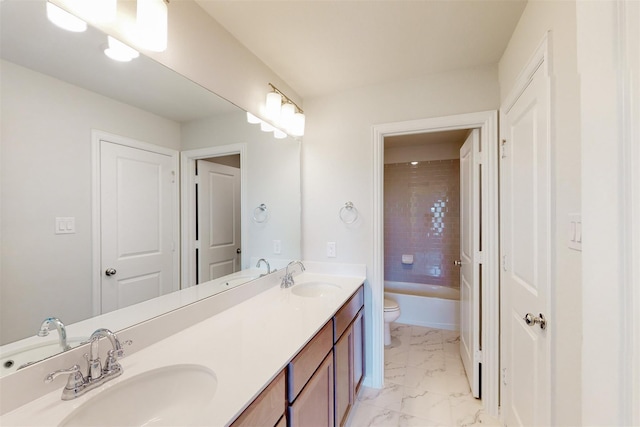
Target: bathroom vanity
x=279, y=357
x=319, y=385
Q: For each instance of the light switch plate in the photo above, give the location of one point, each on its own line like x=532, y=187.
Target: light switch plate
x=277, y=247
x=574, y=232
x=65, y=225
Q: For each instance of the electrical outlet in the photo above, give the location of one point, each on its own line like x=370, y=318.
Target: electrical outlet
x=331, y=249
x=277, y=247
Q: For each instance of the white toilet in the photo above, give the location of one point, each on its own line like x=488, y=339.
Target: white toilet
x=391, y=314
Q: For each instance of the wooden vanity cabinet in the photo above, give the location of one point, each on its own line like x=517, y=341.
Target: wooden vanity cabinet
x=321, y=380
x=268, y=409
x=314, y=405
x=310, y=382
x=348, y=352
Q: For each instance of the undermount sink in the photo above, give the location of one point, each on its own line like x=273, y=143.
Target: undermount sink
x=169, y=396
x=315, y=289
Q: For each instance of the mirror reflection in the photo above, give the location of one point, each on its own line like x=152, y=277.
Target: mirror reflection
x=102, y=213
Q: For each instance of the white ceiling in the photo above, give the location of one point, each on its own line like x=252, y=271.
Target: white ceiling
x=326, y=46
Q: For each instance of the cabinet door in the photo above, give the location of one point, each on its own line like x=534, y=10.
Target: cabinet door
x=343, y=352
x=314, y=405
x=267, y=408
x=358, y=351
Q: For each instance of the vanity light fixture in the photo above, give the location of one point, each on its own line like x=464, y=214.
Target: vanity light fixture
x=119, y=51
x=103, y=10
x=414, y=163
x=273, y=106
x=278, y=134
x=286, y=115
x=64, y=19
x=284, y=112
x=152, y=23
x=266, y=127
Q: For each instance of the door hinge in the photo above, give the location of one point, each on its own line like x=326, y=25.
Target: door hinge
x=196, y=244
x=504, y=263
x=503, y=149
x=196, y=180
x=480, y=257
x=173, y=177
x=477, y=357
x=504, y=376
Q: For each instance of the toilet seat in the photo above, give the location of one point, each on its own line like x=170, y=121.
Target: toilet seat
x=390, y=305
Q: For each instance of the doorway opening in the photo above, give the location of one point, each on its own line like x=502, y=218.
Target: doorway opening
x=486, y=125
x=217, y=223
x=226, y=174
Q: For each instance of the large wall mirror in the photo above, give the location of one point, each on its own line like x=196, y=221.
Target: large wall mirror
x=64, y=107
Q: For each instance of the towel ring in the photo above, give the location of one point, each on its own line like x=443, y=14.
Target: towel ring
x=348, y=213
x=260, y=214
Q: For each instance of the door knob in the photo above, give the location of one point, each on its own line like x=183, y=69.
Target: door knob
x=531, y=320
x=238, y=251
x=110, y=271
x=457, y=263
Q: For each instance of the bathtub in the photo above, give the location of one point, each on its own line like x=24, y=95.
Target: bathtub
x=425, y=305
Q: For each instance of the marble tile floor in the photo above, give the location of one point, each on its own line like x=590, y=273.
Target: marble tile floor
x=425, y=384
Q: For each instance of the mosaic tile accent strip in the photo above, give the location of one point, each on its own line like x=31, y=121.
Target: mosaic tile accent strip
x=422, y=218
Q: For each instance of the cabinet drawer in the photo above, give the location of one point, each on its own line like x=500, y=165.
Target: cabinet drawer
x=267, y=408
x=314, y=405
x=307, y=361
x=347, y=313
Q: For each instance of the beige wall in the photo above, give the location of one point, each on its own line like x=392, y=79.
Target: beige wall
x=337, y=153
x=558, y=17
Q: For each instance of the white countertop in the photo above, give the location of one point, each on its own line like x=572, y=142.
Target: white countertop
x=246, y=346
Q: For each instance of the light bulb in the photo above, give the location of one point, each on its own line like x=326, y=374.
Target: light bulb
x=286, y=115
x=273, y=105
x=266, y=127
x=103, y=10
x=252, y=119
x=297, y=127
x=151, y=23
x=119, y=51
x=278, y=134
x=64, y=19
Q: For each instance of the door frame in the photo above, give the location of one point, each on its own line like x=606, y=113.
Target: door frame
x=96, y=220
x=188, y=196
x=487, y=123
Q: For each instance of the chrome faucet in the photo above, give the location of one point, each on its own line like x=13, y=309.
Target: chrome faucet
x=77, y=384
x=62, y=332
x=287, y=279
x=112, y=367
x=260, y=261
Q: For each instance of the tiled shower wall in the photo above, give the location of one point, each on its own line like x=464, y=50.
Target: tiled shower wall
x=422, y=218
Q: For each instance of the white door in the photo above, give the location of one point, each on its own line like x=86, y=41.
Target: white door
x=218, y=220
x=525, y=179
x=469, y=259
x=138, y=201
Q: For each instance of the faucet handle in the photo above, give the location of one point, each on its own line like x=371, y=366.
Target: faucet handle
x=75, y=380
x=118, y=353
